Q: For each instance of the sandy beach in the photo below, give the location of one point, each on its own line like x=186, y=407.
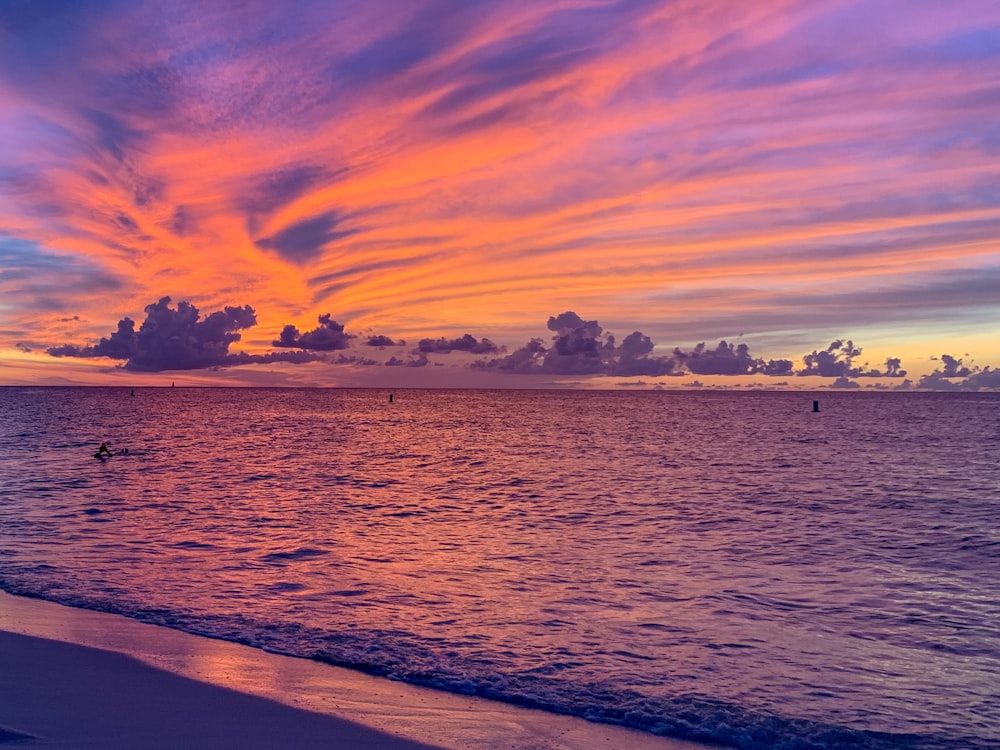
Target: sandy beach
x=80, y=679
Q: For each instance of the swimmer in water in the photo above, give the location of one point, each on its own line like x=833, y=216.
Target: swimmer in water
x=103, y=451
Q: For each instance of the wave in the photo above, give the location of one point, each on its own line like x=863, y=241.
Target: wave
x=412, y=658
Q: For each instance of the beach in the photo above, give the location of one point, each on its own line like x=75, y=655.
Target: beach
x=75, y=678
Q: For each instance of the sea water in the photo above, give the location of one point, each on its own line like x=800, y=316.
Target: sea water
x=729, y=567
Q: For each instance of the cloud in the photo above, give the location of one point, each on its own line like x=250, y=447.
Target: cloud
x=626, y=130
x=179, y=339
x=580, y=347
x=275, y=188
x=122, y=344
x=972, y=378
x=466, y=343
x=953, y=367
x=419, y=361
x=327, y=336
x=36, y=279
x=724, y=359
x=986, y=378
x=305, y=239
x=844, y=383
x=832, y=362
x=893, y=368
x=525, y=360
x=383, y=341
x=633, y=358
x=350, y=359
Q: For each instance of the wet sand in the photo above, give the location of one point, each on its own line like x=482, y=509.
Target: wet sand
x=75, y=678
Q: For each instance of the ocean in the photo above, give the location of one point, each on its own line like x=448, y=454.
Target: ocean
x=725, y=567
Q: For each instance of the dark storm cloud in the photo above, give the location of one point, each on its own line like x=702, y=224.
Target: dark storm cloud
x=327, y=336
x=466, y=343
x=179, y=339
x=304, y=240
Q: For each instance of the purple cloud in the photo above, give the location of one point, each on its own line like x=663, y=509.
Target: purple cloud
x=178, y=339
x=419, y=361
x=327, y=336
x=953, y=368
x=383, y=341
x=466, y=343
x=844, y=383
x=304, y=240
x=832, y=362
x=725, y=359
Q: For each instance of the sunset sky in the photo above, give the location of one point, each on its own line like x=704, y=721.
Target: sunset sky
x=593, y=187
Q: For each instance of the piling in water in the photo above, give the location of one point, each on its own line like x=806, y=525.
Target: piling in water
x=815, y=406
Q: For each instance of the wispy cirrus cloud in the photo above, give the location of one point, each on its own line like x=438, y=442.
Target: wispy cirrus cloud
x=695, y=170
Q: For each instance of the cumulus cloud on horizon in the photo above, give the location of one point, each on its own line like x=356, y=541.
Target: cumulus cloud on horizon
x=328, y=336
x=182, y=339
x=580, y=347
x=466, y=343
x=179, y=339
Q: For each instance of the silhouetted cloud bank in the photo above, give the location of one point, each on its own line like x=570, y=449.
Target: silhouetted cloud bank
x=955, y=375
x=383, y=341
x=327, y=336
x=466, y=343
x=179, y=339
x=581, y=347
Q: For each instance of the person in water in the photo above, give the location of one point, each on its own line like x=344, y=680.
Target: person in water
x=103, y=451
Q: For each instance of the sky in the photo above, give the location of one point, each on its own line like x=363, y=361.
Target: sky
x=506, y=193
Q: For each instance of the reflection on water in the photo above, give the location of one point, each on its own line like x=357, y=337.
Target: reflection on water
x=621, y=551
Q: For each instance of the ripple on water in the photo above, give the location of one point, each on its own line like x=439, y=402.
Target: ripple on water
x=719, y=566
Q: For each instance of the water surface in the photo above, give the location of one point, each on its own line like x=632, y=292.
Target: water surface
x=719, y=566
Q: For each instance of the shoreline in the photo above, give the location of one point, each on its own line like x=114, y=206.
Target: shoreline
x=83, y=678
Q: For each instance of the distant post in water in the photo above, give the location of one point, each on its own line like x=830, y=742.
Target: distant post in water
x=390, y=398
x=815, y=406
